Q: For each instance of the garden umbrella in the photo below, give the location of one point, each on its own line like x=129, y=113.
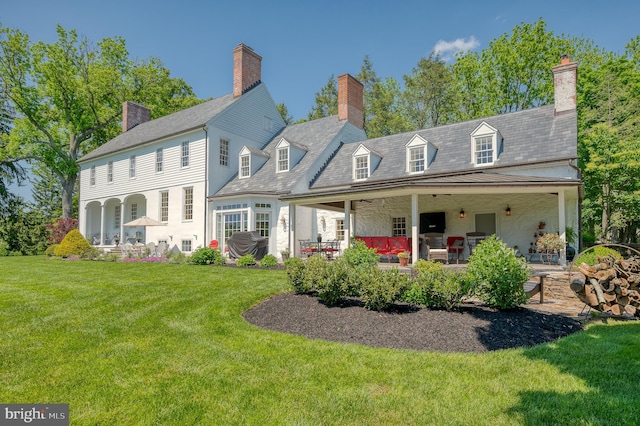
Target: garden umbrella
x=144, y=221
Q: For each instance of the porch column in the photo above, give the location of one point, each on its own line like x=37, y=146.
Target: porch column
x=121, y=231
x=562, y=227
x=102, y=209
x=347, y=224
x=292, y=229
x=415, y=242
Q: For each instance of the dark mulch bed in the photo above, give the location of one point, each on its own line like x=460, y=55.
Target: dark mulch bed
x=473, y=328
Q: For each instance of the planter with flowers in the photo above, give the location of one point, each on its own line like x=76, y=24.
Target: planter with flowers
x=403, y=257
x=548, y=244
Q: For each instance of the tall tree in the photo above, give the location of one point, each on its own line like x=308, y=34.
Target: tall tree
x=46, y=191
x=284, y=112
x=386, y=116
x=326, y=101
x=68, y=96
x=428, y=94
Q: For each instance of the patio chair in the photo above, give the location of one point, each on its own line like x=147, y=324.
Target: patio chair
x=152, y=249
x=161, y=248
x=455, y=245
x=306, y=249
x=473, y=239
x=436, y=250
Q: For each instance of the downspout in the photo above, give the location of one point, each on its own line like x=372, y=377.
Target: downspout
x=206, y=183
x=580, y=198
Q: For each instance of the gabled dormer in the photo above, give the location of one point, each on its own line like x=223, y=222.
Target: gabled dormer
x=419, y=155
x=486, y=145
x=288, y=154
x=364, y=162
x=250, y=161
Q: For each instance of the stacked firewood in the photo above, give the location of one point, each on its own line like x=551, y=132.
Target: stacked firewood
x=611, y=286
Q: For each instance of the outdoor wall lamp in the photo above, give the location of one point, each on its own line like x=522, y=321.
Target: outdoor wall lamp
x=284, y=223
x=508, y=211
x=462, y=214
x=323, y=222
x=195, y=236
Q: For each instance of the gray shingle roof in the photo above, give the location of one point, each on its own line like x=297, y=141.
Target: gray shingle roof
x=529, y=136
x=172, y=124
x=313, y=136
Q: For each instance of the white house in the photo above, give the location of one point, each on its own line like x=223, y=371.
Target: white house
x=231, y=165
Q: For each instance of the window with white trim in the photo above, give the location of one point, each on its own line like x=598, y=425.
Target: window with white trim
x=134, y=211
x=416, y=159
x=184, y=158
x=399, y=227
x=340, y=229
x=283, y=159
x=224, y=152
x=164, y=206
x=110, y=172
x=263, y=224
x=132, y=167
x=159, y=160
x=187, y=246
x=245, y=166
x=92, y=176
x=361, y=167
x=116, y=217
x=483, y=149
x=187, y=210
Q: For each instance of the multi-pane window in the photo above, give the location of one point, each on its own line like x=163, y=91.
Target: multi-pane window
x=186, y=245
x=134, y=211
x=399, y=227
x=185, y=154
x=484, y=150
x=116, y=217
x=164, y=206
x=224, y=152
x=263, y=224
x=92, y=177
x=340, y=229
x=159, y=160
x=110, y=172
x=416, y=159
x=188, y=204
x=245, y=166
x=132, y=167
x=283, y=159
x=362, y=167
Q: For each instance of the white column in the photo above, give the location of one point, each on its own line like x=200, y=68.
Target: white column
x=102, y=209
x=292, y=229
x=562, y=227
x=347, y=224
x=415, y=242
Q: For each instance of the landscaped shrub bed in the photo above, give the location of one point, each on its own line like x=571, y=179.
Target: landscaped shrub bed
x=494, y=275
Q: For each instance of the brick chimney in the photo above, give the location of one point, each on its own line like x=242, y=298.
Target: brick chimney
x=247, y=69
x=134, y=114
x=565, y=78
x=350, y=100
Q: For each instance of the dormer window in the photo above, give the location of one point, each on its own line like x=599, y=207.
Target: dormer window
x=486, y=145
x=416, y=155
x=361, y=163
x=282, y=153
x=245, y=166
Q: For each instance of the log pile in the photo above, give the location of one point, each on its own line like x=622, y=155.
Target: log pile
x=611, y=286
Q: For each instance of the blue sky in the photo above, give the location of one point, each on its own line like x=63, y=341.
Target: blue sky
x=304, y=42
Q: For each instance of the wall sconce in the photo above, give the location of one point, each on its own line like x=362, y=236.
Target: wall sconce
x=508, y=211
x=283, y=221
x=171, y=237
x=462, y=214
x=323, y=222
x=195, y=236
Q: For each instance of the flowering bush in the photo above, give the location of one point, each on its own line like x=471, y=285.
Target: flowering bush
x=549, y=241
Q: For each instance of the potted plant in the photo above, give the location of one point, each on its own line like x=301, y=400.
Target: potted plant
x=403, y=257
x=285, y=254
x=116, y=239
x=549, y=243
x=541, y=224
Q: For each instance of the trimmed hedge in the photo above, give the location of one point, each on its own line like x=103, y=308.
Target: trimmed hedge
x=73, y=244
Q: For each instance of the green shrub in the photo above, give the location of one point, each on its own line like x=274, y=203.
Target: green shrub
x=112, y=257
x=73, y=244
x=296, y=275
x=379, y=289
x=4, y=248
x=268, y=261
x=591, y=256
x=246, y=260
x=428, y=266
x=315, y=271
x=497, y=275
x=50, y=251
x=360, y=255
x=206, y=256
x=178, y=258
x=445, y=289
x=336, y=283
x=92, y=253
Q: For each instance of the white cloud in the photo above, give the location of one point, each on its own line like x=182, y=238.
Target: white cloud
x=448, y=49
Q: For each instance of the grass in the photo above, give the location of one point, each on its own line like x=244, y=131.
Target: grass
x=144, y=343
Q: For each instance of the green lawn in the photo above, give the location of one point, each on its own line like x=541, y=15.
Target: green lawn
x=135, y=343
